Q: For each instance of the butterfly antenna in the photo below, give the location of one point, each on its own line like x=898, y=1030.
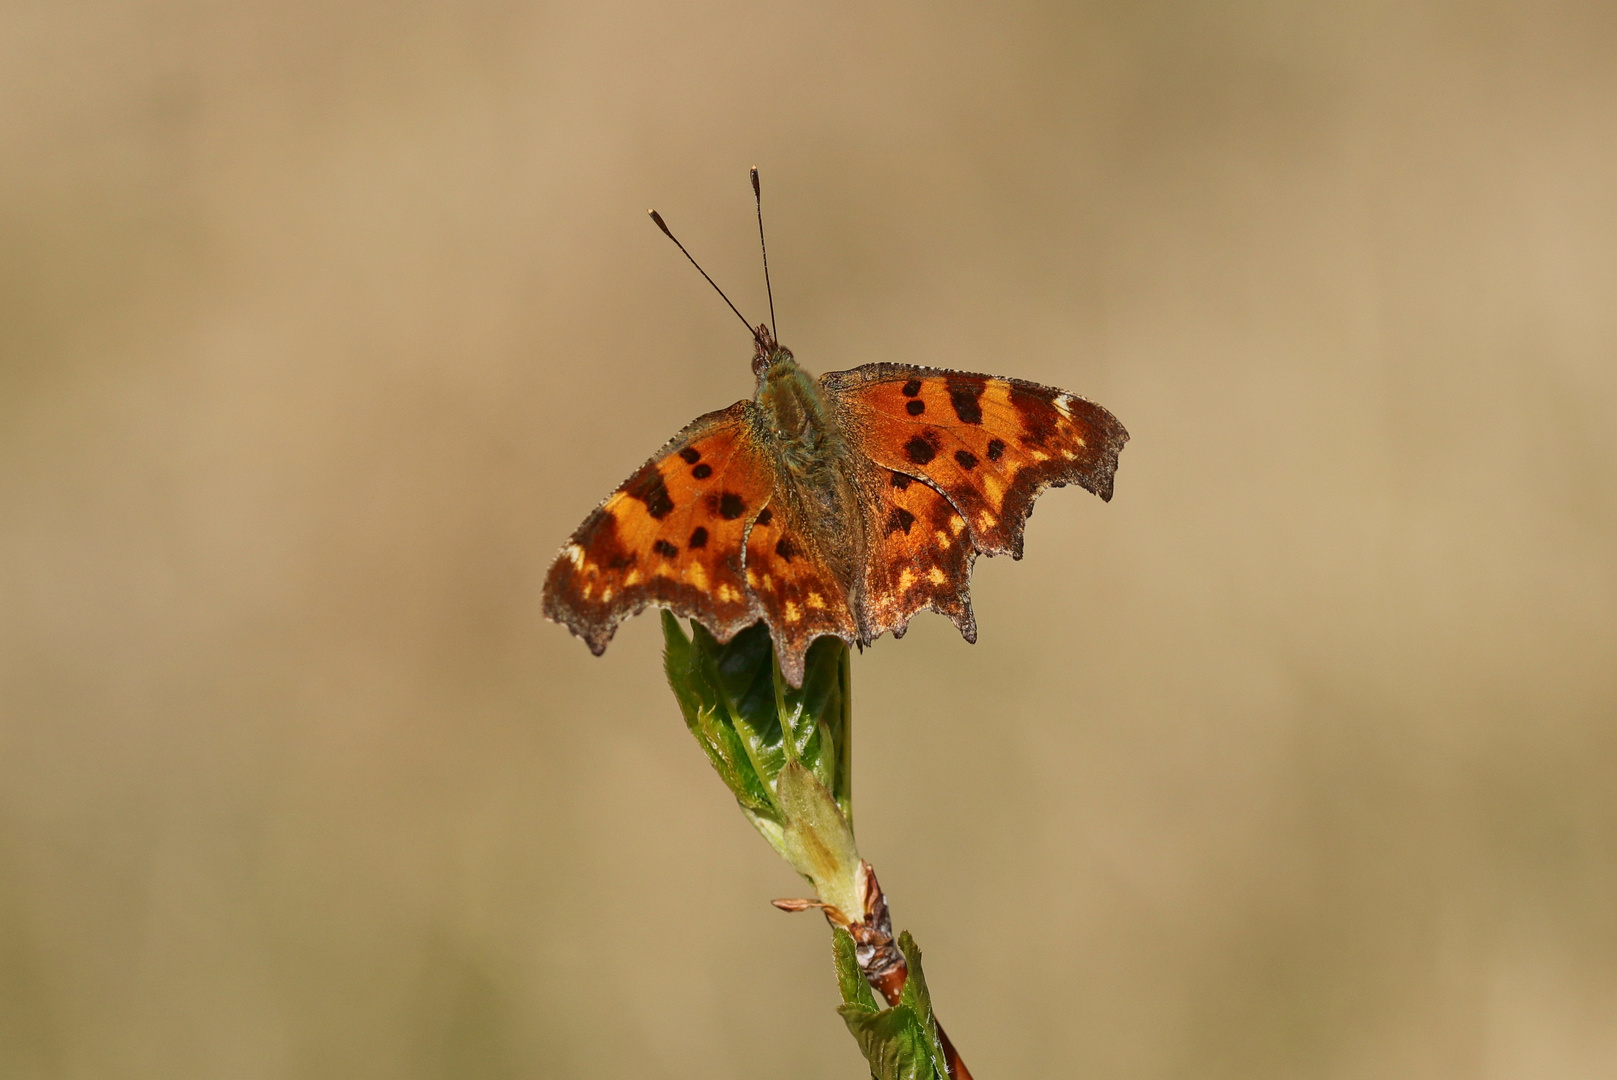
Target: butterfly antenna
x=758, y=200
x=658, y=218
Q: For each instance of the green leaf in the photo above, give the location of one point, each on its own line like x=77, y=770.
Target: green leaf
x=740, y=676
x=893, y=1043
x=750, y=722
x=742, y=670
x=856, y=992
x=706, y=715
x=915, y=997
x=900, y=1043
x=822, y=732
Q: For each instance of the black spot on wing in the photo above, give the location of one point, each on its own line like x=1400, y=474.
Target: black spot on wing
x=915, y=407
x=922, y=448
x=966, y=458
x=785, y=548
x=702, y=471
x=647, y=486
x=699, y=538
x=965, y=394
x=731, y=506
x=765, y=516
x=900, y=520
x=901, y=481
x=1034, y=407
x=665, y=549
x=691, y=455
x=912, y=388
x=996, y=449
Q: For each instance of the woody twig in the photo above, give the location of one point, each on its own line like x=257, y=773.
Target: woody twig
x=876, y=952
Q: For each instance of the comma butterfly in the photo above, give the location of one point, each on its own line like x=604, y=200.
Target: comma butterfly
x=839, y=506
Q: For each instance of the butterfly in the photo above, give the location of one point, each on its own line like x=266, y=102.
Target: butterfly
x=841, y=506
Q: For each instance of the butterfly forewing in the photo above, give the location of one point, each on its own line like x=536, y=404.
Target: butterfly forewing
x=671, y=535
x=989, y=444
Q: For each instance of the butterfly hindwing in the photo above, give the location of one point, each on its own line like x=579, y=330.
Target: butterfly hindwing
x=671, y=535
x=795, y=586
x=920, y=554
x=990, y=445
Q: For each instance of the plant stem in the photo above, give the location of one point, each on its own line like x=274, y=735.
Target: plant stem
x=786, y=754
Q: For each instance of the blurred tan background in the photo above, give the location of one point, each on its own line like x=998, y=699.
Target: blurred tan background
x=324, y=324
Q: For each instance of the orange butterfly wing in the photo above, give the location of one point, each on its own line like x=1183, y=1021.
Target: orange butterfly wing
x=920, y=554
x=990, y=445
x=796, y=584
x=670, y=536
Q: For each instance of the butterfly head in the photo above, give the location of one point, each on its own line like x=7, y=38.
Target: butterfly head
x=774, y=365
x=766, y=350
